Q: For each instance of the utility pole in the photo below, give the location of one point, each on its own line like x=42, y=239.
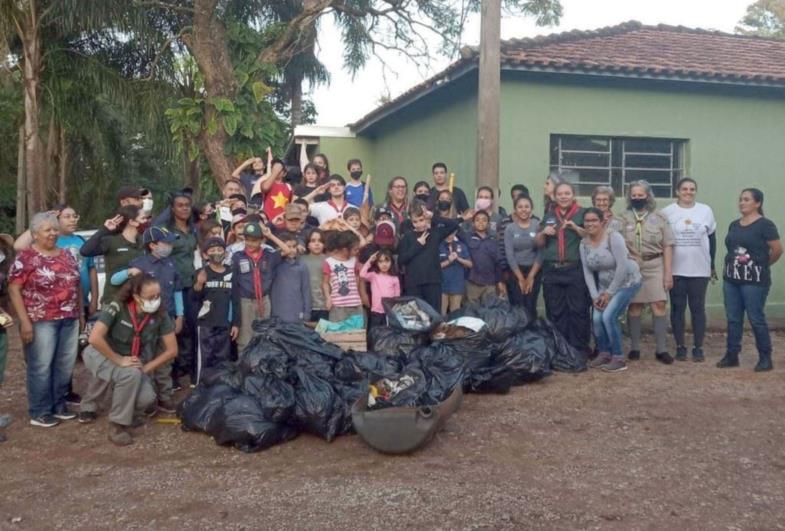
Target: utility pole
x=488, y=95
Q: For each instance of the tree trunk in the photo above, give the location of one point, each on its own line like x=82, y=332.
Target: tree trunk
x=296, y=98
x=21, y=184
x=62, y=192
x=52, y=157
x=191, y=173
x=209, y=45
x=35, y=168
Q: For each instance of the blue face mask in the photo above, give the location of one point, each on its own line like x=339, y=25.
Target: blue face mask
x=163, y=250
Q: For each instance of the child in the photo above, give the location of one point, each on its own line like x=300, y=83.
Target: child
x=253, y=272
x=455, y=261
x=277, y=193
x=313, y=261
x=291, y=292
x=418, y=251
x=485, y=274
x=384, y=284
x=157, y=263
x=339, y=277
x=353, y=218
x=213, y=290
x=355, y=188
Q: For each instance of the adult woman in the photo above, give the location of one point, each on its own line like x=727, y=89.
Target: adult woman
x=422, y=191
x=520, y=248
x=484, y=201
x=45, y=292
x=6, y=321
x=603, y=198
x=567, y=299
x=553, y=179
x=650, y=241
x=125, y=347
x=694, y=246
x=753, y=245
x=613, y=279
x=310, y=182
x=396, y=200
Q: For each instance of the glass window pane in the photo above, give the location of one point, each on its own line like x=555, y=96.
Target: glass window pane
x=646, y=145
x=584, y=159
x=653, y=177
x=585, y=143
x=647, y=161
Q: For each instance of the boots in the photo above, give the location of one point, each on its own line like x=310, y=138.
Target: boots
x=729, y=360
x=764, y=363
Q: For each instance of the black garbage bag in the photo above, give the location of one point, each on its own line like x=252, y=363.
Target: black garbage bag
x=501, y=318
x=241, y=423
x=444, y=369
x=411, y=314
x=226, y=372
x=413, y=394
x=314, y=363
x=199, y=407
x=262, y=356
x=474, y=349
x=298, y=338
x=317, y=406
x=526, y=355
x=371, y=366
x=395, y=342
x=564, y=357
x=496, y=379
x=276, y=396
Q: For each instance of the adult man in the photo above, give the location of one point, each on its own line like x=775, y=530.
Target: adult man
x=335, y=206
x=130, y=195
x=439, y=171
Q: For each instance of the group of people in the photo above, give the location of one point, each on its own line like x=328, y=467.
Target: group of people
x=184, y=285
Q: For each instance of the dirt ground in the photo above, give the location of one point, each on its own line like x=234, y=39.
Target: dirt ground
x=685, y=446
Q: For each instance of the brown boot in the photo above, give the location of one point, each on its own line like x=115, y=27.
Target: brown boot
x=119, y=434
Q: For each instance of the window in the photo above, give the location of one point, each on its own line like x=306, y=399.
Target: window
x=617, y=161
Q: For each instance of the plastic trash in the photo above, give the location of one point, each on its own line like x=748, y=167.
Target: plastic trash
x=226, y=372
x=200, y=406
x=411, y=313
x=394, y=341
x=355, y=322
x=275, y=396
x=241, y=423
x=315, y=399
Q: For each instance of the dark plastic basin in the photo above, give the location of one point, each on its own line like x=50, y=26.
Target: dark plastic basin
x=400, y=430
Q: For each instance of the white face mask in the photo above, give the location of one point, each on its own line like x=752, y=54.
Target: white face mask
x=147, y=204
x=151, y=306
x=2, y=257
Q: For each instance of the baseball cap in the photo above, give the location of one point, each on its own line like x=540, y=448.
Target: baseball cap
x=293, y=211
x=384, y=234
x=158, y=234
x=213, y=242
x=253, y=230
x=125, y=192
x=238, y=218
x=381, y=211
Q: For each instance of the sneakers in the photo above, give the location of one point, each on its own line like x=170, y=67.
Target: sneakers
x=728, y=360
x=73, y=399
x=65, y=415
x=697, y=355
x=615, y=365
x=681, y=353
x=138, y=422
x=664, y=357
x=634, y=355
x=87, y=417
x=764, y=363
x=166, y=406
x=45, y=421
x=600, y=360
x=119, y=435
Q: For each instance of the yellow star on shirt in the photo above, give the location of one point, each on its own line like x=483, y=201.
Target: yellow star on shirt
x=279, y=200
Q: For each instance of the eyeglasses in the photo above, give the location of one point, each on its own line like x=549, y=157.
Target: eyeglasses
x=399, y=186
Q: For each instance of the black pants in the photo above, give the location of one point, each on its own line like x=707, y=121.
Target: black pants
x=568, y=304
x=319, y=314
x=185, y=362
x=518, y=298
x=430, y=293
x=214, y=345
x=692, y=291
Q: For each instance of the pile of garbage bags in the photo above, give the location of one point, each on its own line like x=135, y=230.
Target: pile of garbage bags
x=288, y=380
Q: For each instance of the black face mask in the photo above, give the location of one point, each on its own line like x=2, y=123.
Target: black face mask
x=639, y=204
x=356, y=175
x=422, y=197
x=444, y=205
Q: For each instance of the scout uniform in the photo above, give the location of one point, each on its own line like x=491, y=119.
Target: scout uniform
x=646, y=235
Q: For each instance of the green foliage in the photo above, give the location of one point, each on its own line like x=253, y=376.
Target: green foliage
x=765, y=18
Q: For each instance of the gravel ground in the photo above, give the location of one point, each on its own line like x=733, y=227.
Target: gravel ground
x=685, y=446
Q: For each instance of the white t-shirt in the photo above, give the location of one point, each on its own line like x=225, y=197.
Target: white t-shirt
x=691, y=228
x=327, y=210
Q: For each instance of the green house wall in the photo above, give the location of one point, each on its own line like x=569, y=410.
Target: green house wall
x=734, y=141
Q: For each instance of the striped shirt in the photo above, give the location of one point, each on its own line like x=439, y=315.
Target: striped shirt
x=343, y=281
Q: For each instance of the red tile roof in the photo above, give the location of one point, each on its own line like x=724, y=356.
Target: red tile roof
x=629, y=50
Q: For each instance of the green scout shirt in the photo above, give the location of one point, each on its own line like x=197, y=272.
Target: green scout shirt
x=550, y=253
x=183, y=250
x=118, y=252
x=117, y=319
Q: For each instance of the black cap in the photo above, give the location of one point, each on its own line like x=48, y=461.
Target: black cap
x=213, y=242
x=125, y=192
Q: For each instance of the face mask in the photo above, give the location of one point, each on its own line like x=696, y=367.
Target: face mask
x=356, y=175
x=422, y=197
x=2, y=257
x=444, y=205
x=639, y=204
x=147, y=204
x=483, y=204
x=151, y=306
x=216, y=258
x=163, y=250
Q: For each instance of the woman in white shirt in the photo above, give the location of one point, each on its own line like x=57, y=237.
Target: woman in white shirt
x=693, y=228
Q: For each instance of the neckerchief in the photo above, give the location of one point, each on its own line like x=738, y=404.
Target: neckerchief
x=335, y=207
x=563, y=218
x=639, y=229
x=257, y=278
x=136, y=344
x=399, y=213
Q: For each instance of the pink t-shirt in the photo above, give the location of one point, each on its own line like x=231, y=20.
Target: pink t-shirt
x=382, y=286
x=343, y=281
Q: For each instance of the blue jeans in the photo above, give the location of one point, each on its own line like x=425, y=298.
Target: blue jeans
x=607, y=330
x=752, y=299
x=50, y=361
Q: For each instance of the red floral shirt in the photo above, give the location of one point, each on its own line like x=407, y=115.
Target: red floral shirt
x=50, y=284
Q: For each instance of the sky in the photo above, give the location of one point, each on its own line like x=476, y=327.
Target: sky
x=347, y=99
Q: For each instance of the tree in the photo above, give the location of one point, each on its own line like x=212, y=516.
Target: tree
x=765, y=18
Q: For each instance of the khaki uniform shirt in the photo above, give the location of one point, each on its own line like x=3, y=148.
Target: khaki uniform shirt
x=655, y=235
